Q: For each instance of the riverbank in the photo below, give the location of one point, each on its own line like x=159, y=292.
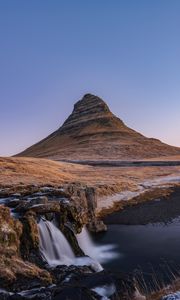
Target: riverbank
x=160, y=209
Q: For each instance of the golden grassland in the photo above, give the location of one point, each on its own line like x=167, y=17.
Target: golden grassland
x=108, y=180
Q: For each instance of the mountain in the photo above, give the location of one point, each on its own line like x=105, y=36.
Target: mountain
x=93, y=132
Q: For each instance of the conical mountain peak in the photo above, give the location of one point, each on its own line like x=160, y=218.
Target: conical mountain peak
x=91, y=103
x=88, y=111
x=93, y=132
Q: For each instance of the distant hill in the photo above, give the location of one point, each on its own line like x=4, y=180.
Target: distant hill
x=93, y=132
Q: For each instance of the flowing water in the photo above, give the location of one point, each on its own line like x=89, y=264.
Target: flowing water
x=56, y=250
x=54, y=247
x=151, y=250
x=101, y=253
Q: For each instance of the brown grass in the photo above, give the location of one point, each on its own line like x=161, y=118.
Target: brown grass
x=107, y=180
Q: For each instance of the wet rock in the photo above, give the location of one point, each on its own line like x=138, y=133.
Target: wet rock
x=172, y=296
x=4, y=295
x=93, y=280
x=97, y=226
x=16, y=195
x=64, y=274
x=84, y=203
x=30, y=202
x=54, y=191
x=125, y=285
x=72, y=215
x=30, y=238
x=12, y=202
x=37, y=200
x=102, y=283
x=39, y=204
x=69, y=234
x=49, y=207
x=37, y=296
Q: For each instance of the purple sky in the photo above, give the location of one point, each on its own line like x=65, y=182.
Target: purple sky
x=53, y=52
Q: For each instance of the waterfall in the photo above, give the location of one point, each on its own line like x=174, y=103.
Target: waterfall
x=99, y=253
x=54, y=247
x=56, y=250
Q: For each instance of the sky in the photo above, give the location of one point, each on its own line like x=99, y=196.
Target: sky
x=53, y=52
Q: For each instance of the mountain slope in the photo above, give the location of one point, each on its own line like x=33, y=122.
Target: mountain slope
x=93, y=132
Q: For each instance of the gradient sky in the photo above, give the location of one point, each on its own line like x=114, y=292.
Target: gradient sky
x=52, y=52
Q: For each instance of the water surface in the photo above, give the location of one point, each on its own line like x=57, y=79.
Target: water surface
x=153, y=249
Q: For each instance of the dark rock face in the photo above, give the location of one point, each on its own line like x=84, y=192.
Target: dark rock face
x=93, y=132
x=79, y=283
x=85, y=197
x=30, y=238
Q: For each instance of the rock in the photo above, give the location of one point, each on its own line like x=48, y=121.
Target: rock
x=83, y=207
x=49, y=207
x=16, y=274
x=97, y=226
x=172, y=296
x=40, y=205
x=4, y=295
x=10, y=232
x=119, y=286
x=12, y=202
x=30, y=238
x=36, y=294
x=125, y=285
x=64, y=274
x=37, y=200
x=69, y=234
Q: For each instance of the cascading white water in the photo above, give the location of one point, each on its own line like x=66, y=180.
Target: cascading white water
x=54, y=247
x=100, y=253
x=56, y=250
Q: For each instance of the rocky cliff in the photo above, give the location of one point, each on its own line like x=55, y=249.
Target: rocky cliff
x=92, y=131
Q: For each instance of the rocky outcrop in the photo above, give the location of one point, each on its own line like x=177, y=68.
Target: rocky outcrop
x=72, y=206
x=10, y=232
x=93, y=132
x=16, y=274
x=80, y=283
x=30, y=238
x=84, y=207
